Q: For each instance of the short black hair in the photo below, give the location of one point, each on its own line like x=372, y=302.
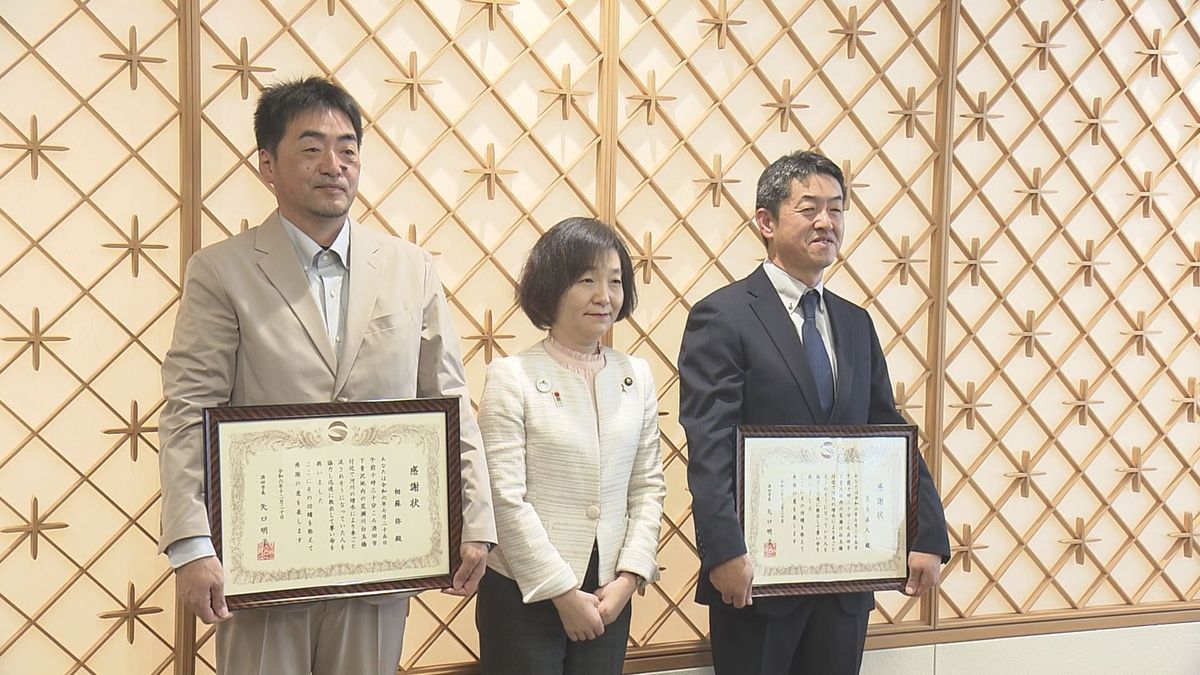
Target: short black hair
x=282, y=102
x=775, y=183
x=560, y=257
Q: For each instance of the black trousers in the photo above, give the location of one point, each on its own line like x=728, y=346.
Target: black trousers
x=520, y=639
x=818, y=637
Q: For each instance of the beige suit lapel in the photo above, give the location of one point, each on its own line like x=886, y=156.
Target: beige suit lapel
x=277, y=259
x=365, y=275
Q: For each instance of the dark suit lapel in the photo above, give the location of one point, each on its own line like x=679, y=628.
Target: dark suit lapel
x=278, y=260
x=365, y=276
x=774, y=317
x=845, y=347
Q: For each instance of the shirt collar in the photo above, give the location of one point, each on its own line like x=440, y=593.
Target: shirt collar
x=307, y=249
x=790, y=288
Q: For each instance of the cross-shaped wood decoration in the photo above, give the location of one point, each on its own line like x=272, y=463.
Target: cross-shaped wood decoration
x=33, y=147
x=1193, y=264
x=904, y=260
x=1156, y=52
x=646, y=261
x=1026, y=473
x=411, y=81
x=244, y=225
x=975, y=262
x=1082, y=402
x=650, y=98
x=36, y=339
x=851, y=186
x=902, y=400
x=488, y=338
x=1146, y=195
x=1139, y=333
x=135, y=246
x=971, y=405
x=130, y=611
x=785, y=104
x=716, y=181
x=979, y=119
x=493, y=8
x=1028, y=333
x=1136, y=469
x=721, y=23
x=489, y=173
x=133, y=58
x=968, y=548
x=33, y=528
x=331, y=7
x=910, y=113
x=565, y=93
x=1088, y=263
x=1079, y=541
x=135, y=428
x=1036, y=192
x=1188, y=535
x=853, y=32
x=412, y=238
x=244, y=68
x=1096, y=121
x=1043, y=45
x=1192, y=401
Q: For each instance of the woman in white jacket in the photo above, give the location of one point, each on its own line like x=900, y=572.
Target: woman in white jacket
x=570, y=430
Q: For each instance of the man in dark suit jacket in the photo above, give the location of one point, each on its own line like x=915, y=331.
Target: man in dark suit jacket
x=758, y=351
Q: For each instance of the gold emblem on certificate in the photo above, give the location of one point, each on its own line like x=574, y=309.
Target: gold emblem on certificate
x=330, y=500
x=827, y=509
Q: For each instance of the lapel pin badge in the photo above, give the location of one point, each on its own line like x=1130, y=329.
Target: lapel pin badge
x=558, y=399
x=626, y=384
x=543, y=385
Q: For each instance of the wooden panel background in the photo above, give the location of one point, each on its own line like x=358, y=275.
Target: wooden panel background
x=1022, y=226
x=90, y=223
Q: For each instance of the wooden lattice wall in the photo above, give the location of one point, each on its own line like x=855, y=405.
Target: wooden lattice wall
x=1022, y=225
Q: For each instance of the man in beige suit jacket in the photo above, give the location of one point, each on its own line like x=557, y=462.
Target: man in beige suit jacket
x=307, y=307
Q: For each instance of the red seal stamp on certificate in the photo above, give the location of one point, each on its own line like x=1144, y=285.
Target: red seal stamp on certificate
x=768, y=549
x=266, y=550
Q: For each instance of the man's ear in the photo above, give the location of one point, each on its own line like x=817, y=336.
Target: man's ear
x=266, y=166
x=765, y=223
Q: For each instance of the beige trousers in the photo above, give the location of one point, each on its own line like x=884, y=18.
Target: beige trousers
x=354, y=636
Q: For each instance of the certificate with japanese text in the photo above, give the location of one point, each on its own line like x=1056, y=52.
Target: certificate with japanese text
x=324, y=500
x=827, y=509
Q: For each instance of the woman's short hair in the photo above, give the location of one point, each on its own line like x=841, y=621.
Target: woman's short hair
x=560, y=257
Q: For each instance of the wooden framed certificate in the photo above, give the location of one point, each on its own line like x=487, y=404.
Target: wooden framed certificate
x=827, y=509
x=324, y=500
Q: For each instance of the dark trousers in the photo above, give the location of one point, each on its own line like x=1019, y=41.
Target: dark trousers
x=818, y=637
x=520, y=639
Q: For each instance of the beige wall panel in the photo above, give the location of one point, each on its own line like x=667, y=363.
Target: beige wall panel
x=706, y=100
x=1070, y=431
x=467, y=151
x=89, y=225
x=1036, y=287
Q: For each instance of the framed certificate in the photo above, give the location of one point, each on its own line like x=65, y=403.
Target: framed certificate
x=324, y=500
x=827, y=509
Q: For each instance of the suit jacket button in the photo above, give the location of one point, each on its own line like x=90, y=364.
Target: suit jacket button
x=593, y=512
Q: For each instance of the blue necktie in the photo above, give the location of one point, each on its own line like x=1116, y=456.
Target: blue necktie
x=814, y=350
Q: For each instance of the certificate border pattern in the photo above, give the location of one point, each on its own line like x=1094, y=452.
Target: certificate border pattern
x=448, y=406
x=907, y=431
x=425, y=438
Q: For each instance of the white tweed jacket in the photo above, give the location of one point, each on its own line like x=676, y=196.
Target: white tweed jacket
x=563, y=479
